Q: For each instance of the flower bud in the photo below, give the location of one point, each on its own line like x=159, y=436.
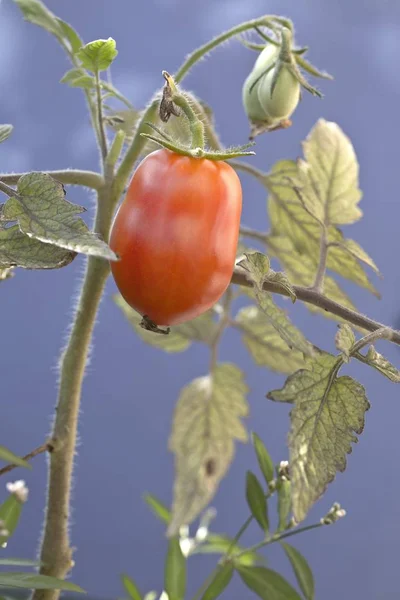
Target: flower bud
x=271, y=92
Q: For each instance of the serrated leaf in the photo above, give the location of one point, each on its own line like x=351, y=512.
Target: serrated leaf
x=277, y=317
x=282, y=281
x=301, y=271
x=289, y=218
x=355, y=250
x=19, y=250
x=267, y=584
x=78, y=78
x=18, y=562
x=221, y=544
x=10, y=512
x=328, y=412
x=201, y=329
x=219, y=583
x=334, y=173
x=264, y=460
x=256, y=501
x=206, y=424
x=5, y=132
x=284, y=502
x=264, y=343
x=43, y=214
x=11, y=458
x=302, y=571
x=98, y=55
x=257, y=265
x=32, y=581
x=131, y=588
x=158, y=508
x=381, y=364
x=344, y=340
x=175, y=571
x=70, y=35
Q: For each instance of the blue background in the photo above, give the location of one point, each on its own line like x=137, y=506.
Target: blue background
x=130, y=389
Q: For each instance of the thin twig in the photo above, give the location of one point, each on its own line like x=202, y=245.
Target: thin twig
x=318, y=285
x=88, y=179
x=277, y=538
x=43, y=448
x=253, y=234
x=100, y=118
x=317, y=299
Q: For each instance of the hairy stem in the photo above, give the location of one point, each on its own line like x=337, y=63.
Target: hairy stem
x=315, y=298
x=100, y=120
x=88, y=179
x=199, y=53
x=56, y=551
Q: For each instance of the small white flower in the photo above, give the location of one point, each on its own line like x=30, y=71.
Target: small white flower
x=164, y=596
x=186, y=546
x=19, y=489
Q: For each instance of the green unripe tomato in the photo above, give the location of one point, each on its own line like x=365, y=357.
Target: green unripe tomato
x=259, y=104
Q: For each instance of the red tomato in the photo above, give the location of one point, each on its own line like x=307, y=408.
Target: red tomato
x=176, y=234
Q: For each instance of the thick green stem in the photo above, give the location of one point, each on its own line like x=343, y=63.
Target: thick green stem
x=88, y=179
x=56, y=551
x=198, y=54
x=195, y=125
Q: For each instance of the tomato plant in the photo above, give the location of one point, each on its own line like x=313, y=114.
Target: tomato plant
x=179, y=213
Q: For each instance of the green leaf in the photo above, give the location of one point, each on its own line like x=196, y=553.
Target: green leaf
x=220, y=582
x=264, y=460
x=328, y=411
x=201, y=329
x=333, y=173
x=158, y=508
x=257, y=265
x=290, y=217
x=11, y=458
x=43, y=214
x=10, y=512
x=36, y=582
x=256, y=501
x=78, y=78
x=70, y=35
x=19, y=250
x=18, y=562
x=175, y=571
x=206, y=424
x=98, y=55
x=221, y=544
x=277, y=317
x=36, y=12
x=264, y=343
x=301, y=270
x=302, y=571
x=355, y=250
x=381, y=364
x=281, y=280
x=5, y=132
x=344, y=340
x=267, y=584
x=131, y=588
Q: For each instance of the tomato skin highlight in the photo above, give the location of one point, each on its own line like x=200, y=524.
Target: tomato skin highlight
x=176, y=234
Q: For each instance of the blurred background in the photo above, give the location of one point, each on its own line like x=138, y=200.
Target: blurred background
x=130, y=389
